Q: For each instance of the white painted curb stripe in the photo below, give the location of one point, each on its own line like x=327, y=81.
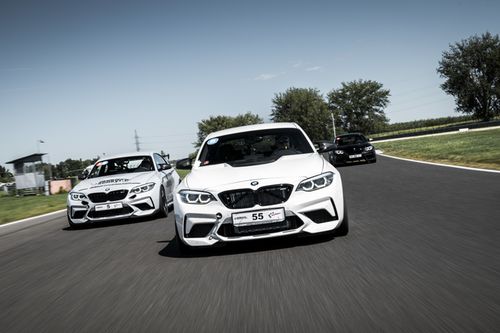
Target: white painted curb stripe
x=441, y=164
x=32, y=218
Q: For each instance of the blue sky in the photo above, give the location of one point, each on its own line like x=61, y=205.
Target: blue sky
x=83, y=75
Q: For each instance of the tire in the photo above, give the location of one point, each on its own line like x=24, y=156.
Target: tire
x=343, y=228
x=163, y=209
x=71, y=224
x=181, y=246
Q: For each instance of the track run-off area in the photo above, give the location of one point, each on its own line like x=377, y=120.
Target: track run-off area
x=423, y=254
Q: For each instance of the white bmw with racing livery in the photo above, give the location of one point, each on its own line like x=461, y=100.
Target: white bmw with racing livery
x=257, y=181
x=123, y=186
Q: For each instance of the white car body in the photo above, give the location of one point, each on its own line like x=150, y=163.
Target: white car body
x=200, y=224
x=110, y=197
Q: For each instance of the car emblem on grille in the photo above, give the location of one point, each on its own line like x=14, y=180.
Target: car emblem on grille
x=107, y=189
x=254, y=183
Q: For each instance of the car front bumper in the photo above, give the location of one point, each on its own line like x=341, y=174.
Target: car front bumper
x=80, y=212
x=306, y=212
x=345, y=158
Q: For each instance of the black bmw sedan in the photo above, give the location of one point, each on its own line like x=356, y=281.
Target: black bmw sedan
x=353, y=147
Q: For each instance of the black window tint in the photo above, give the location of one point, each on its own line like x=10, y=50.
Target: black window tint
x=352, y=139
x=122, y=165
x=254, y=147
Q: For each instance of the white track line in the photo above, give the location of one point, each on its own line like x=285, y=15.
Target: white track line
x=441, y=164
x=29, y=219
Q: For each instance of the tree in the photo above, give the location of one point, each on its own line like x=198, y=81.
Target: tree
x=70, y=167
x=217, y=123
x=472, y=72
x=5, y=175
x=306, y=107
x=359, y=106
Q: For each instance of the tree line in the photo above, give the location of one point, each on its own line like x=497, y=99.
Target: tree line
x=471, y=69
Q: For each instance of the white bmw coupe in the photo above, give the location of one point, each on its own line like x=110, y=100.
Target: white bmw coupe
x=257, y=181
x=131, y=185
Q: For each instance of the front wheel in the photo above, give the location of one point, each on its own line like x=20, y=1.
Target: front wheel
x=183, y=248
x=163, y=203
x=343, y=228
x=71, y=224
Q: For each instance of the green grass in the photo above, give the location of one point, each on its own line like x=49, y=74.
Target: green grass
x=183, y=173
x=14, y=208
x=479, y=149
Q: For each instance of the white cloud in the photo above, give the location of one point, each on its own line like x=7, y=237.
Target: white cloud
x=297, y=64
x=265, y=77
x=312, y=69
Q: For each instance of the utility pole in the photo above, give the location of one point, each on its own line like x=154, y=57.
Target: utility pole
x=136, y=141
x=334, y=131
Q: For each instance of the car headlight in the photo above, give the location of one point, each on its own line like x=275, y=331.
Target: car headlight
x=339, y=152
x=77, y=196
x=368, y=148
x=196, y=197
x=142, y=188
x=316, y=182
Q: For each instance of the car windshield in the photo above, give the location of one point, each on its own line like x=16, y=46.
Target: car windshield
x=255, y=147
x=122, y=165
x=352, y=139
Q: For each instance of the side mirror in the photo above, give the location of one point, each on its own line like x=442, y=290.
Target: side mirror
x=83, y=175
x=325, y=147
x=326, y=150
x=184, y=164
x=165, y=167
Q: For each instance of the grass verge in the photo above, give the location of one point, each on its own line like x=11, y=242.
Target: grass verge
x=183, y=173
x=16, y=208
x=478, y=149
x=417, y=129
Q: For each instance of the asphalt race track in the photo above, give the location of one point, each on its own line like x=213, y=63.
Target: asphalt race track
x=423, y=254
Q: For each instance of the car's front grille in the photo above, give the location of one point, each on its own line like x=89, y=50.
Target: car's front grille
x=290, y=223
x=264, y=196
x=110, y=196
x=353, y=150
x=110, y=213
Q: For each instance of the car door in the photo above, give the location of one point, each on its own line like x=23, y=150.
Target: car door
x=167, y=178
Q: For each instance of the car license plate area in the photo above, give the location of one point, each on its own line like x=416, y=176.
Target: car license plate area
x=257, y=229
x=116, y=205
x=355, y=156
x=258, y=217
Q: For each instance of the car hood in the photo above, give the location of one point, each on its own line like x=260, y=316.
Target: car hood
x=294, y=166
x=122, y=181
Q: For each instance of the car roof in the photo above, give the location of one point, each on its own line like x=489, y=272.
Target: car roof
x=249, y=128
x=132, y=154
